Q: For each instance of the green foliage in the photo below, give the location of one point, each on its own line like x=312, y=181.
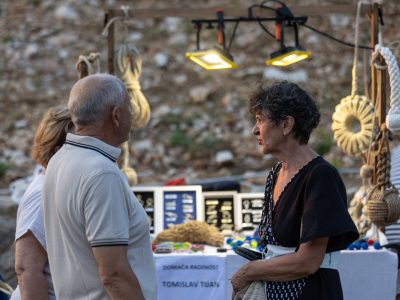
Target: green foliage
x=323, y=142
x=3, y=168
x=179, y=138
x=176, y=119
x=337, y=163
x=33, y=2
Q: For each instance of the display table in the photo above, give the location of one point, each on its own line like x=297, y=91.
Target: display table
x=368, y=274
x=365, y=275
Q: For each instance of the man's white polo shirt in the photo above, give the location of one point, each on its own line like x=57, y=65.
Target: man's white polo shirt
x=87, y=202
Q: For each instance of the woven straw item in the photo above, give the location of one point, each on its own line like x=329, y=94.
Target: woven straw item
x=383, y=202
x=353, y=109
x=383, y=205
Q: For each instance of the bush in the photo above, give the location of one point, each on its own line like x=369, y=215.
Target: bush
x=3, y=168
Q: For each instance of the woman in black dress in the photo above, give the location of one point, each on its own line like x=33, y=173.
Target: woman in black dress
x=305, y=222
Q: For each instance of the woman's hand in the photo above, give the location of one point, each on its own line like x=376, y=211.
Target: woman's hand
x=239, y=280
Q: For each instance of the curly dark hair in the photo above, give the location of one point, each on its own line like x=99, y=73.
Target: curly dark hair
x=283, y=99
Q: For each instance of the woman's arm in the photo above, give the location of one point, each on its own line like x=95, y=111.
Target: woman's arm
x=30, y=259
x=304, y=262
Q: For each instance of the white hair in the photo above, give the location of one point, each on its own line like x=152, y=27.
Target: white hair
x=92, y=96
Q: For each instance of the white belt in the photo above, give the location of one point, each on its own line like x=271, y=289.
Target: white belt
x=330, y=261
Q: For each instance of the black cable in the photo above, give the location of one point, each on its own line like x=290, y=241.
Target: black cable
x=335, y=39
x=250, y=8
x=265, y=29
x=233, y=35
x=277, y=1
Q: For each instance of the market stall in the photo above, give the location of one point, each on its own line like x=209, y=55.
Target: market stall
x=365, y=274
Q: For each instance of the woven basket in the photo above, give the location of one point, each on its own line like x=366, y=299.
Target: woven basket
x=383, y=205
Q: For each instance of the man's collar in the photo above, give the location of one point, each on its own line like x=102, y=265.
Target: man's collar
x=94, y=144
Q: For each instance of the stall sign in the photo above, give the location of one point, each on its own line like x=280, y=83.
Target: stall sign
x=191, y=277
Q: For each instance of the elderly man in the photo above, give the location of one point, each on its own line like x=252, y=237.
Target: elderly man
x=97, y=233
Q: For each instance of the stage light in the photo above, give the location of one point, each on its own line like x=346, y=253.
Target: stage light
x=287, y=56
x=212, y=59
x=215, y=58
x=219, y=57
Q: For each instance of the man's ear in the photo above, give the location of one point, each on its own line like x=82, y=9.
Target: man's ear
x=115, y=116
x=288, y=124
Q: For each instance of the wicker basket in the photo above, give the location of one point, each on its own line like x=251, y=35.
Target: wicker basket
x=383, y=205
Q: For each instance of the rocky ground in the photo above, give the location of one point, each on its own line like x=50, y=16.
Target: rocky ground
x=200, y=127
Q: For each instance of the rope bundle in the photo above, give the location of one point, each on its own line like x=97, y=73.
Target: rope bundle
x=383, y=202
x=88, y=65
x=128, y=65
x=393, y=116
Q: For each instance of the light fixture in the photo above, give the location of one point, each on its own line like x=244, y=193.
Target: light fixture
x=215, y=58
x=286, y=56
x=212, y=59
x=218, y=58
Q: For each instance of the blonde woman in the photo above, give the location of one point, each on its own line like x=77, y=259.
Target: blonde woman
x=31, y=263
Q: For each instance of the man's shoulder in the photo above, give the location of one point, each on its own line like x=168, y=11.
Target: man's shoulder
x=85, y=158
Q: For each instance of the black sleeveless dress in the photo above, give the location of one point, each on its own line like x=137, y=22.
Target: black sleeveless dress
x=315, y=198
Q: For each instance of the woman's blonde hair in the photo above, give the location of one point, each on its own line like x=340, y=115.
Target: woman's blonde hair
x=51, y=133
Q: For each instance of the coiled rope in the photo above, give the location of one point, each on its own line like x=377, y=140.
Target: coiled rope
x=87, y=65
x=383, y=201
x=128, y=66
x=393, y=115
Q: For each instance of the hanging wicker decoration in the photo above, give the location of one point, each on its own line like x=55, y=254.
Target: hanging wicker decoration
x=383, y=202
x=352, y=110
x=358, y=205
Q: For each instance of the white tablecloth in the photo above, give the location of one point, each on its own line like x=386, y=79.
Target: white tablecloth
x=366, y=275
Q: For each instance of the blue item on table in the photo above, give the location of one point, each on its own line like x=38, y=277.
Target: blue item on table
x=357, y=245
x=377, y=245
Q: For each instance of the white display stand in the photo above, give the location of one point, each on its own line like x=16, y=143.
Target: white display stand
x=177, y=205
x=147, y=195
x=248, y=210
x=171, y=205
x=220, y=210
x=367, y=275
